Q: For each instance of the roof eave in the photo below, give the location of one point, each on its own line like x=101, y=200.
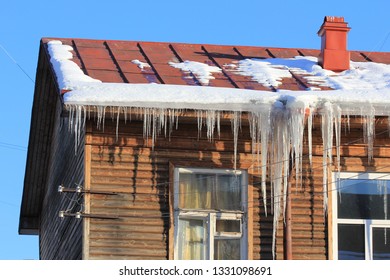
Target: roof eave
x=39, y=145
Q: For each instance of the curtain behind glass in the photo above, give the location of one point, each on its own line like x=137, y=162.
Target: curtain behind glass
x=192, y=240
x=209, y=191
x=228, y=192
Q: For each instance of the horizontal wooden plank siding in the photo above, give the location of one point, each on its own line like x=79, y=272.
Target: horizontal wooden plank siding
x=125, y=163
x=140, y=177
x=310, y=238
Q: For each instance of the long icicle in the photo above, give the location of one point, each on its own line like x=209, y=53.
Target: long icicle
x=327, y=139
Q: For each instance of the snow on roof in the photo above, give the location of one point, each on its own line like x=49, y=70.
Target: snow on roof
x=68, y=73
x=202, y=71
x=365, y=83
x=140, y=64
x=362, y=75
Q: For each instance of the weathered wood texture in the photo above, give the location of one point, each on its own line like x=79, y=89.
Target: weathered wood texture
x=61, y=238
x=40, y=138
x=310, y=236
x=140, y=175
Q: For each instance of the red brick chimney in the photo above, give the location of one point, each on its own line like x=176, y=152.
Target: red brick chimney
x=334, y=55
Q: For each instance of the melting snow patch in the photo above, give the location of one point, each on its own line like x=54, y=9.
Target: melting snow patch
x=140, y=64
x=263, y=72
x=203, y=72
x=271, y=71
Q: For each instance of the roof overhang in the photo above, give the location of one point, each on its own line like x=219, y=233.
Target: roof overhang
x=46, y=94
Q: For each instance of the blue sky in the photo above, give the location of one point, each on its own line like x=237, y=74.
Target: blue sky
x=244, y=22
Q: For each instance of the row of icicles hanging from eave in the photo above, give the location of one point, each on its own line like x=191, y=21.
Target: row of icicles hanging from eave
x=277, y=135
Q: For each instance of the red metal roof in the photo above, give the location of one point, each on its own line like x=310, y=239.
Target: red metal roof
x=110, y=61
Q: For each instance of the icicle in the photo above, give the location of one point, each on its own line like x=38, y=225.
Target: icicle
x=154, y=127
x=101, y=112
x=297, y=123
x=369, y=132
x=339, y=187
x=171, y=122
x=70, y=108
x=259, y=124
x=381, y=187
x=125, y=112
x=348, y=124
x=280, y=153
x=236, y=122
x=337, y=124
x=199, y=115
x=147, y=124
x=327, y=139
x=76, y=126
x=117, y=123
x=165, y=123
x=263, y=136
x=219, y=124
x=210, y=123
x=309, y=135
x=89, y=112
x=112, y=111
x=77, y=119
x=104, y=117
x=253, y=120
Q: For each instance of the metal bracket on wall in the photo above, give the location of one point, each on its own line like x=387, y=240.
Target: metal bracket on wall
x=79, y=189
x=79, y=215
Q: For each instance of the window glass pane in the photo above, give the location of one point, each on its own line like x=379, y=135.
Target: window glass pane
x=363, y=199
x=226, y=249
x=228, y=226
x=192, y=240
x=351, y=242
x=195, y=190
x=209, y=191
x=381, y=243
x=228, y=192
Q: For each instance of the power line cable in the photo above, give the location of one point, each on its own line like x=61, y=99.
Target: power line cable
x=273, y=196
x=14, y=61
x=12, y=146
x=7, y=203
x=301, y=157
x=381, y=45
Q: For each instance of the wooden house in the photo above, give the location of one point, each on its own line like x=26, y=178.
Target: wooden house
x=146, y=150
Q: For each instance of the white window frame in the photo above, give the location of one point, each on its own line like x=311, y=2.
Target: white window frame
x=368, y=223
x=210, y=216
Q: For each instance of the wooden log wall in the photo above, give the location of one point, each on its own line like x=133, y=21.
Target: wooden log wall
x=140, y=176
x=311, y=236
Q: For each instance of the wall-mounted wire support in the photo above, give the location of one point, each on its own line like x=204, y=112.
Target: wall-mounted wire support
x=79, y=215
x=79, y=189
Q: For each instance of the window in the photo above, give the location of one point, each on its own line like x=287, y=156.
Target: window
x=361, y=216
x=210, y=207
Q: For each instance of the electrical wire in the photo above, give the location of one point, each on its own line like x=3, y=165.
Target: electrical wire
x=270, y=198
x=7, y=203
x=271, y=164
x=12, y=146
x=381, y=46
x=14, y=61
